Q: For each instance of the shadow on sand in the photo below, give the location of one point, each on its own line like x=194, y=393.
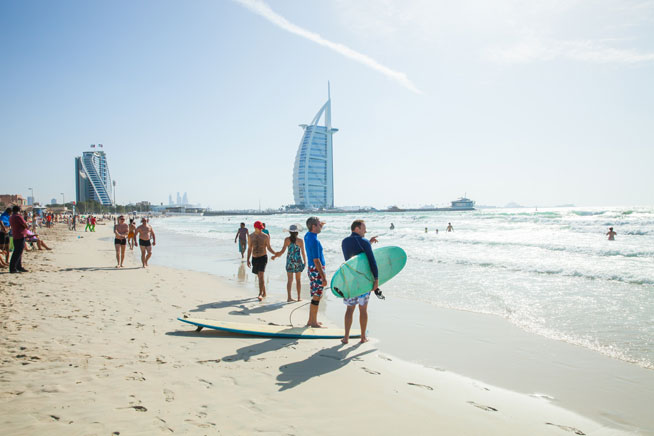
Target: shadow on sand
x=223, y=304
x=246, y=353
x=258, y=309
x=322, y=362
x=98, y=268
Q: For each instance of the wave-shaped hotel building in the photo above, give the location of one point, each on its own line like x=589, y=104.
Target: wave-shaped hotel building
x=313, y=173
x=92, y=178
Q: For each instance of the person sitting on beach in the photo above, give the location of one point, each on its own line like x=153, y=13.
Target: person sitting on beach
x=449, y=227
x=242, y=235
x=146, y=234
x=121, y=230
x=611, y=234
x=296, y=259
x=131, y=234
x=33, y=238
x=258, y=243
x=353, y=245
x=316, y=267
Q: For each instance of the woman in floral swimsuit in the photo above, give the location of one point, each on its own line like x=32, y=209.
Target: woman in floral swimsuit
x=296, y=259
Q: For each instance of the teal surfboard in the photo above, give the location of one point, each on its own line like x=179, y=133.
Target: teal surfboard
x=354, y=277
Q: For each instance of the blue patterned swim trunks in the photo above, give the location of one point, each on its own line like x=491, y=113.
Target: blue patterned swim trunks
x=362, y=300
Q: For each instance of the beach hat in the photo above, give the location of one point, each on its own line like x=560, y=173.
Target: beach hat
x=258, y=225
x=294, y=228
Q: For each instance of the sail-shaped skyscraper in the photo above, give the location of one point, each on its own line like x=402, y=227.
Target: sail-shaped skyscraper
x=92, y=179
x=313, y=172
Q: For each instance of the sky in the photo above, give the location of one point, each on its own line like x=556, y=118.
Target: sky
x=539, y=103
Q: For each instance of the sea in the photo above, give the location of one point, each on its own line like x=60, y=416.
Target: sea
x=551, y=272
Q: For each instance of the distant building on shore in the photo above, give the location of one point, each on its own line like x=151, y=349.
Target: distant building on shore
x=313, y=172
x=92, y=179
x=14, y=199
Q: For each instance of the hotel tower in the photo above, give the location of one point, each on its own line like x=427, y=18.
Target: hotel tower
x=92, y=179
x=313, y=173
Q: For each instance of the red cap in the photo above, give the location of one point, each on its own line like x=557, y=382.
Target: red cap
x=258, y=225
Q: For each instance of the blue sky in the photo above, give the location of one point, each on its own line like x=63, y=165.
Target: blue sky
x=541, y=102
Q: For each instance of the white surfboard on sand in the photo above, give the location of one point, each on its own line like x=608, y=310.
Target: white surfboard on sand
x=277, y=331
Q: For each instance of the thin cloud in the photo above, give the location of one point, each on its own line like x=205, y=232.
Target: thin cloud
x=261, y=8
x=584, y=51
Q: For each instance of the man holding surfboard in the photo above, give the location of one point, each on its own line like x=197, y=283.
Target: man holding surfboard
x=316, y=267
x=353, y=245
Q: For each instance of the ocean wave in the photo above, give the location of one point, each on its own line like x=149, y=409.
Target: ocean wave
x=555, y=272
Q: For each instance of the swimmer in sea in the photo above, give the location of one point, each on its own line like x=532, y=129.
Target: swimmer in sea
x=611, y=234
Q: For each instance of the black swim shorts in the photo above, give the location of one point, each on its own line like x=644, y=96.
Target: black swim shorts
x=259, y=264
x=144, y=242
x=120, y=241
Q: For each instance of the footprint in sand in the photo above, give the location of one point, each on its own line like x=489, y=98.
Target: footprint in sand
x=567, y=428
x=200, y=424
x=137, y=376
x=370, y=371
x=482, y=407
x=164, y=425
x=170, y=395
x=418, y=385
x=207, y=382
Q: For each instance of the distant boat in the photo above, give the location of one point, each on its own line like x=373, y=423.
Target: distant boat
x=463, y=203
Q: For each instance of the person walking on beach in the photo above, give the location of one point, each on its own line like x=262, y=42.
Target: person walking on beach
x=19, y=230
x=242, y=235
x=93, y=221
x=147, y=240
x=351, y=246
x=296, y=259
x=265, y=230
x=88, y=223
x=316, y=269
x=449, y=227
x=74, y=223
x=611, y=234
x=131, y=234
x=121, y=230
x=258, y=243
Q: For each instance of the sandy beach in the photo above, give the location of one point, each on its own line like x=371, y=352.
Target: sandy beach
x=90, y=349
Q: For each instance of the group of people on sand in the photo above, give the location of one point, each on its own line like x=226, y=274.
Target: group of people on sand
x=308, y=253
x=125, y=234
x=16, y=231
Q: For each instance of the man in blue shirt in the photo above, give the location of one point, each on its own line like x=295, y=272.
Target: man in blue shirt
x=316, y=267
x=353, y=245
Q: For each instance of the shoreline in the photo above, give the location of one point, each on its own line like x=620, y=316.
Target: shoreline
x=91, y=349
x=484, y=347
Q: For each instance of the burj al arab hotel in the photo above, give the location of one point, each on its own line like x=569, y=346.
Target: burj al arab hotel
x=313, y=173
